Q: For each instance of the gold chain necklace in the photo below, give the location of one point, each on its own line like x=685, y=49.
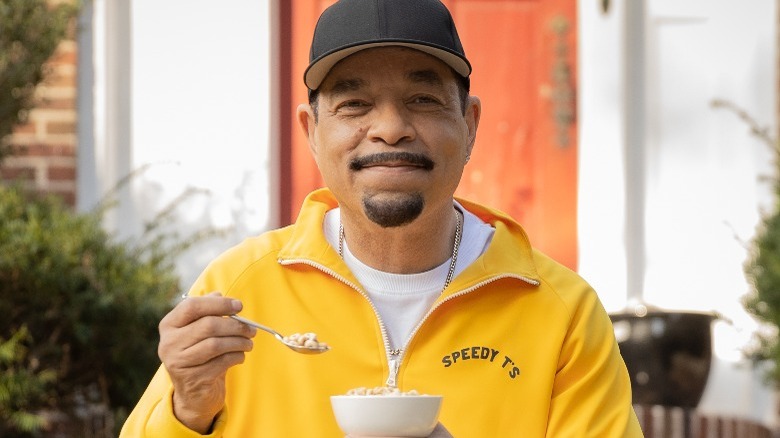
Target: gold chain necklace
x=455, y=247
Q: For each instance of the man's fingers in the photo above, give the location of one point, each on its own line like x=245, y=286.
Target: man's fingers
x=211, y=371
x=195, y=308
x=212, y=326
x=204, y=336
x=212, y=349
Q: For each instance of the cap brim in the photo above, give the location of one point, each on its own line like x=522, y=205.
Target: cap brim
x=318, y=69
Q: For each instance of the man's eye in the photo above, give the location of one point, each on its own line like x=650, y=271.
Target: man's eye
x=352, y=104
x=424, y=99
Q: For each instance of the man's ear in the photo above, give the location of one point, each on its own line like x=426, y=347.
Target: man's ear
x=473, y=112
x=306, y=121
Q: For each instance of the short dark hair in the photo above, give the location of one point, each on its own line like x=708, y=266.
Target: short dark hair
x=463, y=83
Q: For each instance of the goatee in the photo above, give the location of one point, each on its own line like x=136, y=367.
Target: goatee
x=394, y=211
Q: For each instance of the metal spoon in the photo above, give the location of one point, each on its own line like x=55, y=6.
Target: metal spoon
x=280, y=338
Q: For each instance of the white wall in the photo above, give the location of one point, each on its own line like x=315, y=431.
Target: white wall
x=201, y=113
x=685, y=194
x=195, y=117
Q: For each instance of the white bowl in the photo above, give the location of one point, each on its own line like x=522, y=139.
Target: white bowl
x=387, y=415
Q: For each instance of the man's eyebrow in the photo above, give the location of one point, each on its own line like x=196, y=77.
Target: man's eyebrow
x=429, y=77
x=345, y=85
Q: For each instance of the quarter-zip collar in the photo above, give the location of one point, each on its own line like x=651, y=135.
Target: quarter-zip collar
x=508, y=255
x=307, y=243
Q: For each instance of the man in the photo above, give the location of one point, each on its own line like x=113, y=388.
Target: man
x=409, y=287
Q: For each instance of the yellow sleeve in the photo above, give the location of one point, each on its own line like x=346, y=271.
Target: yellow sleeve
x=592, y=390
x=153, y=416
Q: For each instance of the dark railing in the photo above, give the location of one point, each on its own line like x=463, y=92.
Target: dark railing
x=674, y=422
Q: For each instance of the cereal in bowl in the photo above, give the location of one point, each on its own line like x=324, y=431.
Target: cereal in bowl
x=380, y=390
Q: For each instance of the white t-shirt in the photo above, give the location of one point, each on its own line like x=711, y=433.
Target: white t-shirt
x=403, y=299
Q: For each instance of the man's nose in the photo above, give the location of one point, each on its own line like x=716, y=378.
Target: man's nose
x=391, y=124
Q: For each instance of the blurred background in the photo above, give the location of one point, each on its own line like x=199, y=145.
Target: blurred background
x=634, y=139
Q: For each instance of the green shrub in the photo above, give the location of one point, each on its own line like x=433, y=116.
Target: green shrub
x=763, y=271
x=80, y=313
x=22, y=385
x=762, y=268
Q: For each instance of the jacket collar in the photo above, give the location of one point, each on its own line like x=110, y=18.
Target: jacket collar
x=509, y=253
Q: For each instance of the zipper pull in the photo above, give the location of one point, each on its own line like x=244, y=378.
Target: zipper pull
x=394, y=363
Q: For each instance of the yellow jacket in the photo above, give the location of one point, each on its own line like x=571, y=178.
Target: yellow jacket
x=518, y=345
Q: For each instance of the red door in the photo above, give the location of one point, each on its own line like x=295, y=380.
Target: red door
x=523, y=53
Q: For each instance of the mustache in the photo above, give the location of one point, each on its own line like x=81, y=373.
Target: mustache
x=384, y=157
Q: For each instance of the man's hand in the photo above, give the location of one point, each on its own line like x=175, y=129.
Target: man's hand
x=197, y=346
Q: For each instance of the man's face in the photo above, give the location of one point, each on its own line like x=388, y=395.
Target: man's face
x=391, y=139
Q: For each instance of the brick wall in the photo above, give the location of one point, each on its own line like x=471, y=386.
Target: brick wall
x=48, y=141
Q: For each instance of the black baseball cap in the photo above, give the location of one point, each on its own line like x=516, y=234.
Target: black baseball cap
x=349, y=26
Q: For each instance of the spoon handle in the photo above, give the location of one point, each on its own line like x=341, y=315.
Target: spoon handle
x=251, y=323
